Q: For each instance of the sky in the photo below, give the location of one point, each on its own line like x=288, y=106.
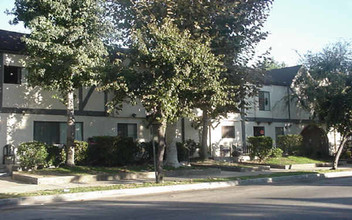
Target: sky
x=294, y=26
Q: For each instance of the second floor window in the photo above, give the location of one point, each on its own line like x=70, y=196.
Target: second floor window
x=264, y=101
x=12, y=74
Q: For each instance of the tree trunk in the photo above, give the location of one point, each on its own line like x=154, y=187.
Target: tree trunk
x=204, y=146
x=70, y=150
x=171, y=149
x=161, y=151
x=339, y=151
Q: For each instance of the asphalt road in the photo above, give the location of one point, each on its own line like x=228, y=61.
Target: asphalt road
x=327, y=199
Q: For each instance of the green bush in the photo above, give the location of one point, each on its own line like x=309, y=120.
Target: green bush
x=125, y=151
x=145, y=153
x=260, y=147
x=291, y=144
x=276, y=152
x=32, y=154
x=81, y=154
x=112, y=151
x=56, y=155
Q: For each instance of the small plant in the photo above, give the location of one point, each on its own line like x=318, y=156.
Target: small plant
x=56, y=155
x=81, y=154
x=291, y=144
x=260, y=147
x=276, y=152
x=32, y=154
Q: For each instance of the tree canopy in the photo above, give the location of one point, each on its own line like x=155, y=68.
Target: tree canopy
x=325, y=88
x=65, y=48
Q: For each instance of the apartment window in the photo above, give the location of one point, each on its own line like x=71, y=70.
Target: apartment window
x=55, y=132
x=228, y=131
x=278, y=131
x=12, y=74
x=264, y=101
x=127, y=130
x=258, y=131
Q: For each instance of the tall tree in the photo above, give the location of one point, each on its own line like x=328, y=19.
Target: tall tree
x=233, y=27
x=325, y=88
x=165, y=67
x=65, y=48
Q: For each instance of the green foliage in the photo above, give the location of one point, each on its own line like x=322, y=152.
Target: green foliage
x=325, y=86
x=32, y=154
x=112, y=151
x=291, y=144
x=81, y=152
x=186, y=150
x=192, y=146
x=56, y=155
x=65, y=49
x=276, y=152
x=271, y=64
x=260, y=147
x=65, y=45
x=146, y=151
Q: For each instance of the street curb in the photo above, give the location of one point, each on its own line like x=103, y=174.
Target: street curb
x=41, y=200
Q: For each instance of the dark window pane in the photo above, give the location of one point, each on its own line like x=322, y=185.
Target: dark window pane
x=228, y=131
x=278, y=131
x=12, y=74
x=127, y=130
x=258, y=131
x=264, y=101
x=47, y=132
x=55, y=132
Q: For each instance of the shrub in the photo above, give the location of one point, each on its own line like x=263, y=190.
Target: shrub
x=31, y=154
x=145, y=153
x=260, y=147
x=100, y=148
x=276, y=152
x=56, y=155
x=125, y=151
x=81, y=153
x=112, y=151
x=192, y=146
x=291, y=144
x=186, y=150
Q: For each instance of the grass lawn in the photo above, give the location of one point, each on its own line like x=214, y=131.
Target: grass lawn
x=292, y=160
x=220, y=163
x=89, y=170
x=147, y=184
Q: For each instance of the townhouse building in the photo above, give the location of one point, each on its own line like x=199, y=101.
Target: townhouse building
x=28, y=114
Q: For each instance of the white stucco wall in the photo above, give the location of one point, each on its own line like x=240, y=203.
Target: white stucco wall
x=18, y=128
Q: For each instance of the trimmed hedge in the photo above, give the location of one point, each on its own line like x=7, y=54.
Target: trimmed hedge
x=56, y=155
x=112, y=151
x=291, y=144
x=260, y=147
x=32, y=154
